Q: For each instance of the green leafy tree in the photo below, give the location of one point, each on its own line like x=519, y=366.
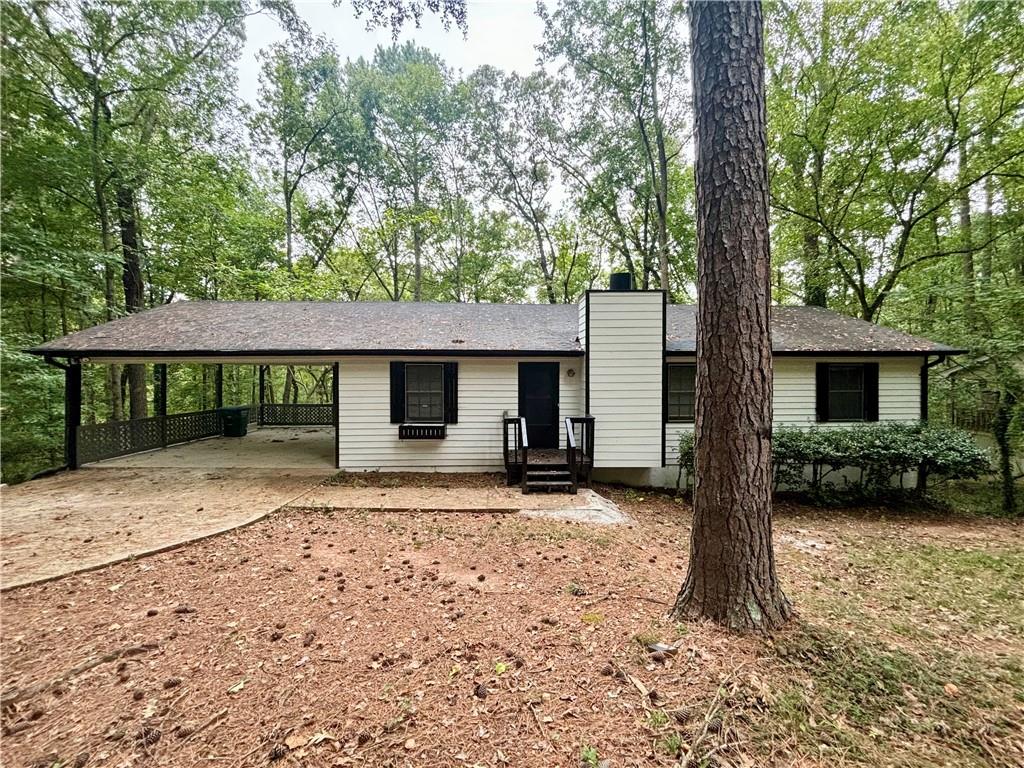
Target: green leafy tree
x=623, y=85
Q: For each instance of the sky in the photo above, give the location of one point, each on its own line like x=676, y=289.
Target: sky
x=502, y=33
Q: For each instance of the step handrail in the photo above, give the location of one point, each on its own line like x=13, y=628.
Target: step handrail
x=525, y=443
x=511, y=457
x=570, y=453
x=583, y=457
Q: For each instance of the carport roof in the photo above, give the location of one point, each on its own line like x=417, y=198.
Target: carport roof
x=252, y=329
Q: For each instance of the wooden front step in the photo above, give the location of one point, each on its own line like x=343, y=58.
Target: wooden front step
x=549, y=480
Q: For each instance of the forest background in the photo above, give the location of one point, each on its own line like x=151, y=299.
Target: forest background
x=135, y=174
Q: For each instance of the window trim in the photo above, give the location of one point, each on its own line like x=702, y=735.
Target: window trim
x=409, y=419
x=869, y=392
x=668, y=394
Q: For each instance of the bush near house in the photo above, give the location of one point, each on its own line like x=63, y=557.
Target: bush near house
x=863, y=461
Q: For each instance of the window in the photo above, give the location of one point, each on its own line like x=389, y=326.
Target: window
x=847, y=391
x=424, y=392
x=681, y=392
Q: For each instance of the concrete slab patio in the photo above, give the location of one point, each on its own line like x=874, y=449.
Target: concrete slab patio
x=262, y=448
x=139, y=504
x=79, y=520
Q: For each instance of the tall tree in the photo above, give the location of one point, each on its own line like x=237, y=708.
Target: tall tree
x=313, y=134
x=874, y=106
x=505, y=113
x=622, y=76
x=129, y=83
x=408, y=94
x=731, y=577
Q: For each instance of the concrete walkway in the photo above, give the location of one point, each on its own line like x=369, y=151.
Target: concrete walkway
x=587, y=506
x=79, y=520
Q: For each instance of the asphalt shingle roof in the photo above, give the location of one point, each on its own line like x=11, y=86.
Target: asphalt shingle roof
x=257, y=328
x=308, y=327
x=804, y=330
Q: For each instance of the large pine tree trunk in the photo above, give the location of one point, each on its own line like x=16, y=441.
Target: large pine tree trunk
x=731, y=577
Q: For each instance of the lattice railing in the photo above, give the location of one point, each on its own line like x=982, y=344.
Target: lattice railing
x=974, y=419
x=185, y=427
x=296, y=414
x=118, y=438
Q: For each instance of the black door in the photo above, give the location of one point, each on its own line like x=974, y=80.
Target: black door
x=538, y=402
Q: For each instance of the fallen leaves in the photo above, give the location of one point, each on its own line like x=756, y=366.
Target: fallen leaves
x=355, y=680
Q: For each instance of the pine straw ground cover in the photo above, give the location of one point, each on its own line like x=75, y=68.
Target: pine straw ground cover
x=319, y=638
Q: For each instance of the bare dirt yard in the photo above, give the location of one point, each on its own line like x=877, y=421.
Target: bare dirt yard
x=329, y=638
x=73, y=521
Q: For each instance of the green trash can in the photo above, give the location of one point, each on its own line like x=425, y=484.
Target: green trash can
x=235, y=419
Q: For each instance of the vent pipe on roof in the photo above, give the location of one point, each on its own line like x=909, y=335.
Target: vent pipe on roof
x=620, y=281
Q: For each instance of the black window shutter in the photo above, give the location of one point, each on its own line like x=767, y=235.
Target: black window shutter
x=451, y=393
x=821, y=398
x=397, y=392
x=870, y=391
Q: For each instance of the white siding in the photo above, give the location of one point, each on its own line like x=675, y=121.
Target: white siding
x=899, y=388
x=625, y=353
x=899, y=394
x=487, y=388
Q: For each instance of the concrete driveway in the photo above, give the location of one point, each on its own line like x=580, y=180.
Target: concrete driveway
x=79, y=520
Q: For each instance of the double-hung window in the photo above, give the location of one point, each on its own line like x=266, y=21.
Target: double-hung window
x=424, y=392
x=847, y=391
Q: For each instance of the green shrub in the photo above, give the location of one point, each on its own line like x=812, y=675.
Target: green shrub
x=877, y=455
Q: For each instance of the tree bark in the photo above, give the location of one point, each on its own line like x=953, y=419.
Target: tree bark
x=131, y=279
x=547, y=273
x=731, y=577
x=815, y=280
x=114, y=394
x=968, y=271
x=417, y=245
x=1001, y=432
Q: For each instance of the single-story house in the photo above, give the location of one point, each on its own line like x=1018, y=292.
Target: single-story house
x=484, y=387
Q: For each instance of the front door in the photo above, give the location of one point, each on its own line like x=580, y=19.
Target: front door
x=538, y=402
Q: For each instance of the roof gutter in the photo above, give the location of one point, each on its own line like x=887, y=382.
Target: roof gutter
x=157, y=354
x=846, y=353
x=925, y=367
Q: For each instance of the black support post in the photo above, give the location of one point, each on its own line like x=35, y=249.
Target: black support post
x=160, y=378
x=72, y=412
x=263, y=394
x=335, y=410
x=160, y=406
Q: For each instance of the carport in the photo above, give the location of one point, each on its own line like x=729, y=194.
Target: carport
x=179, y=364
x=168, y=439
